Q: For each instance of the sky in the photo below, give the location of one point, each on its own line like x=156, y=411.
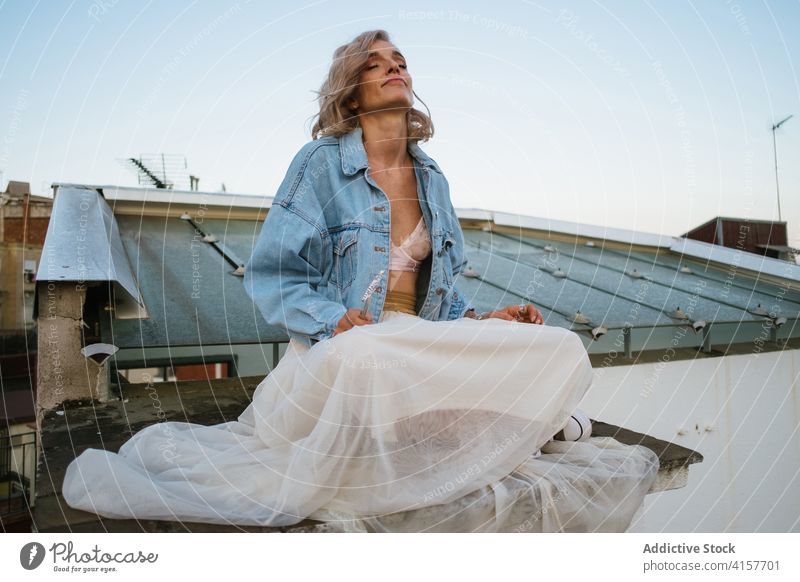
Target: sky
x=653, y=115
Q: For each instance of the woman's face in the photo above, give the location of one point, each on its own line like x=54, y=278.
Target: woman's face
x=384, y=82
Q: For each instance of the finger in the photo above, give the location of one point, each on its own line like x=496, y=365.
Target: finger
x=531, y=313
x=351, y=318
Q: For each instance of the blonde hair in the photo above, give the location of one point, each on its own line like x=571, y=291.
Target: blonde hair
x=335, y=118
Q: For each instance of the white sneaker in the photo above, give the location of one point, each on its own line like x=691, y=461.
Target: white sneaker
x=578, y=428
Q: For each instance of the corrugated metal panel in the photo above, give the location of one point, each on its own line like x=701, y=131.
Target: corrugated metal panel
x=191, y=293
x=83, y=243
x=620, y=289
x=592, y=231
x=741, y=259
x=239, y=236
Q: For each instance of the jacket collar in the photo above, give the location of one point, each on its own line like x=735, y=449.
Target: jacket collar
x=354, y=156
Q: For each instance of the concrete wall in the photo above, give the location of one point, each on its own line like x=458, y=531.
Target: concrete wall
x=63, y=373
x=16, y=294
x=742, y=413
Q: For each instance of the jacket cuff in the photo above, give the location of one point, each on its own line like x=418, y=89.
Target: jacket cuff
x=459, y=305
x=330, y=315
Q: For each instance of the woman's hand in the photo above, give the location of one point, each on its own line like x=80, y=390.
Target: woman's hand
x=525, y=312
x=352, y=317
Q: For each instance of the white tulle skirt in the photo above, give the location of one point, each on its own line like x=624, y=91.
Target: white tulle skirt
x=402, y=425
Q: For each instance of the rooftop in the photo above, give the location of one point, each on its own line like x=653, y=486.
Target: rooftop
x=612, y=286
x=70, y=429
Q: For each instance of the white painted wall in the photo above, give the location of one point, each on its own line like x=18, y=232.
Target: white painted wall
x=741, y=413
x=253, y=359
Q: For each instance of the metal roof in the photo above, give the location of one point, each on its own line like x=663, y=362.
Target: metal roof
x=636, y=291
x=191, y=292
x=83, y=244
x=193, y=197
x=615, y=287
x=736, y=257
x=579, y=229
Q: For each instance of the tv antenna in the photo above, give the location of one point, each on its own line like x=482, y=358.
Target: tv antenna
x=165, y=171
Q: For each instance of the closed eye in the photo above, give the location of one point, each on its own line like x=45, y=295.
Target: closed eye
x=402, y=66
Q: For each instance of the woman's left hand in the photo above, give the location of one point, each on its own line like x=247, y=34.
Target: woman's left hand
x=524, y=312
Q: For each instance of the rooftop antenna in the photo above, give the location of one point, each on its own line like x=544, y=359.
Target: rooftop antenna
x=775, y=152
x=165, y=171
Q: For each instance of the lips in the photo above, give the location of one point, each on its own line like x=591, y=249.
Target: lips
x=394, y=80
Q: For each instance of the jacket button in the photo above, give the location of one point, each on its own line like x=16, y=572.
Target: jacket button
x=378, y=289
x=379, y=208
x=439, y=290
x=381, y=249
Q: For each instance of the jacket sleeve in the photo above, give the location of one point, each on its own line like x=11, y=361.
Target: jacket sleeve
x=459, y=303
x=285, y=271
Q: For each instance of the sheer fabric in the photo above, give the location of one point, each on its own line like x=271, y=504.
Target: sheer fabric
x=396, y=426
x=409, y=254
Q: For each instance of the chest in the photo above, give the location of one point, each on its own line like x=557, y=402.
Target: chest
x=400, y=187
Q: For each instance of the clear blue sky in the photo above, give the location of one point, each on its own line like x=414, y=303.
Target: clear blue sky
x=647, y=115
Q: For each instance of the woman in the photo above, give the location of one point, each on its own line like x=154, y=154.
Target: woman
x=393, y=395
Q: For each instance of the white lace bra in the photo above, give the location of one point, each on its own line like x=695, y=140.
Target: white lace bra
x=412, y=251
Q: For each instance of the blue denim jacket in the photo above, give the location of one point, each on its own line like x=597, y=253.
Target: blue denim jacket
x=326, y=237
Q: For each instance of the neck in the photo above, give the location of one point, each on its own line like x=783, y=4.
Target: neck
x=385, y=137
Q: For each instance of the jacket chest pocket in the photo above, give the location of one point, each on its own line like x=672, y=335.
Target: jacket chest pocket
x=344, y=259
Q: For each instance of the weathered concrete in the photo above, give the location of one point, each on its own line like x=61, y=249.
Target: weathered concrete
x=63, y=372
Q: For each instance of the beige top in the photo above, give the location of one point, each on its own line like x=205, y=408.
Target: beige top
x=412, y=251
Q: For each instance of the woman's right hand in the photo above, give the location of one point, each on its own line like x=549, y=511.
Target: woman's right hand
x=352, y=317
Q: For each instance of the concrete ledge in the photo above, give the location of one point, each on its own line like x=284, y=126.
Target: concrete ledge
x=75, y=426
x=674, y=460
